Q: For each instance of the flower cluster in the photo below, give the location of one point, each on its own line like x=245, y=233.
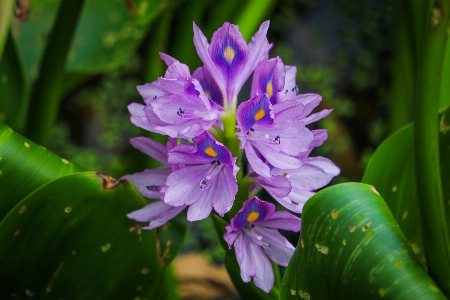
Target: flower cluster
x=199, y=113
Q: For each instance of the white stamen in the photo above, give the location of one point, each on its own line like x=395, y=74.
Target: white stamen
x=266, y=136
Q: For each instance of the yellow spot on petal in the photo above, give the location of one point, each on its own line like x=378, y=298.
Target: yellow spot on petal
x=260, y=114
x=229, y=54
x=253, y=216
x=26, y=145
x=269, y=89
x=210, y=151
x=208, y=94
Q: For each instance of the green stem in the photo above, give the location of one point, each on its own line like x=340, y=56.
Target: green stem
x=45, y=96
x=426, y=145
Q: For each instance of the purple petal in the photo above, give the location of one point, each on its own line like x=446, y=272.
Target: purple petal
x=183, y=186
x=290, y=88
x=230, y=236
x=157, y=213
x=315, y=173
x=278, y=186
x=257, y=110
x=149, y=91
x=288, y=110
x=149, y=182
x=150, y=147
x=177, y=71
x=202, y=207
x=282, y=220
x=139, y=117
x=244, y=256
x=253, y=211
x=264, y=277
x=268, y=78
x=210, y=88
x=258, y=50
x=317, y=116
x=280, y=250
x=255, y=161
x=167, y=58
x=225, y=191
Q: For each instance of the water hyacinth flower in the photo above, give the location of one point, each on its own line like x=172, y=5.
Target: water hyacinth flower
x=207, y=181
x=256, y=239
x=229, y=60
x=176, y=105
x=151, y=183
x=266, y=138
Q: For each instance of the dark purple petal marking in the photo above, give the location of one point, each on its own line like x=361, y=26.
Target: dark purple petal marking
x=258, y=109
x=208, y=84
x=254, y=210
x=228, y=55
x=208, y=147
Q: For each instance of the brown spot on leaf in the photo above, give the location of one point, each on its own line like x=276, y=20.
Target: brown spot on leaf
x=22, y=10
x=110, y=183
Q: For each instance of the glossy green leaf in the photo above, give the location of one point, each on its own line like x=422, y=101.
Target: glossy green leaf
x=24, y=167
x=13, y=91
x=351, y=248
x=71, y=240
x=391, y=172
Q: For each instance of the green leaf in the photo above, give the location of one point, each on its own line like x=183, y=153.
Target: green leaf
x=13, y=91
x=107, y=35
x=351, y=248
x=24, y=167
x=71, y=240
x=391, y=171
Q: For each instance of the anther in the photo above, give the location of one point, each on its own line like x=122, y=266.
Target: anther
x=180, y=112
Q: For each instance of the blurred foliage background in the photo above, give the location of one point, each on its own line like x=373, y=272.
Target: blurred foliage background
x=346, y=51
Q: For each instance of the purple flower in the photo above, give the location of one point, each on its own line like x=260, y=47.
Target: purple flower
x=315, y=173
x=176, y=105
x=254, y=233
x=229, y=59
x=207, y=181
x=151, y=182
x=267, y=139
x=276, y=80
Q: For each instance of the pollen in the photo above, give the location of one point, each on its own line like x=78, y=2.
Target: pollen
x=253, y=216
x=269, y=89
x=229, y=54
x=210, y=151
x=260, y=114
